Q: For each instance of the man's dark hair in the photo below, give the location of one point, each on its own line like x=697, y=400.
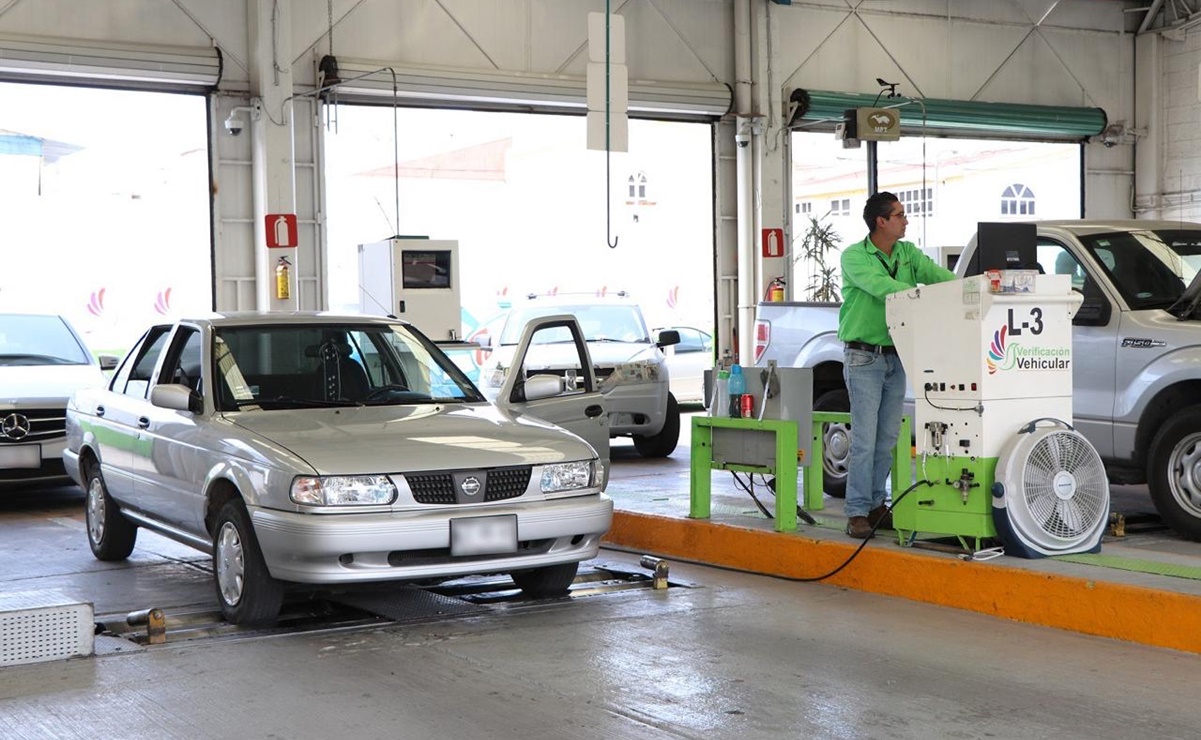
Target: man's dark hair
x=878, y=205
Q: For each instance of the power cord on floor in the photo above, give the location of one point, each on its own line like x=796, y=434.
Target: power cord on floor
x=867, y=539
x=770, y=484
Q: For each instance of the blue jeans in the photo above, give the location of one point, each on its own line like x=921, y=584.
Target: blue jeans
x=876, y=384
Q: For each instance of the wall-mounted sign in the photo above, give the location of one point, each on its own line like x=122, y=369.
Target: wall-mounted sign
x=281, y=230
x=878, y=124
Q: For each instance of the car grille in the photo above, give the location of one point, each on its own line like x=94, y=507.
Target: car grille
x=439, y=488
x=44, y=424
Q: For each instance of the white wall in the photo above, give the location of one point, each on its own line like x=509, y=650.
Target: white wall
x=1061, y=52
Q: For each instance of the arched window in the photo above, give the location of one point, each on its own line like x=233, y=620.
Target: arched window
x=1017, y=200
x=637, y=185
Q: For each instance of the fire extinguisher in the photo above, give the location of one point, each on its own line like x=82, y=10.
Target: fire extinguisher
x=775, y=291
x=283, y=287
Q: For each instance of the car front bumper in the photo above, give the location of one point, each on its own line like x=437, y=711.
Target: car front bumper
x=15, y=470
x=350, y=548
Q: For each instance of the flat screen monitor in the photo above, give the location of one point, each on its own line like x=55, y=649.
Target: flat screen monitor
x=1004, y=246
x=426, y=268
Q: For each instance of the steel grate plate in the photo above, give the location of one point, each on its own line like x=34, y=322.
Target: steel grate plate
x=37, y=627
x=406, y=603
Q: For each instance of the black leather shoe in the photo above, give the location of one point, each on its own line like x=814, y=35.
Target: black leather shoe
x=859, y=527
x=880, y=517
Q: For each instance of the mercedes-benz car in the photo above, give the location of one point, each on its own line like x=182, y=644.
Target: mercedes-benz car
x=43, y=361
x=318, y=449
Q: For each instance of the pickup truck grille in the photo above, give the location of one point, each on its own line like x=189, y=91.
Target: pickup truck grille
x=438, y=488
x=32, y=425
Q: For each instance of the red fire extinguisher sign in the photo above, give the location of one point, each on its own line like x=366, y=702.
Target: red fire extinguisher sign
x=281, y=230
x=773, y=242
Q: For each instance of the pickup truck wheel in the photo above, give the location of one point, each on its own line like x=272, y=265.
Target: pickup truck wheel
x=110, y=534
x=552, y=580
x=836, y=443
x=663, y=443
x=246, y=590
x=1174, y=473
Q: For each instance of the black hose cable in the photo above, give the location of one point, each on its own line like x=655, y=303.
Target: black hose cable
x=865, y=539
x=751, y=490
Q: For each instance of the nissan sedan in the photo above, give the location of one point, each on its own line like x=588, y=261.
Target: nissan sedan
x=317, y=449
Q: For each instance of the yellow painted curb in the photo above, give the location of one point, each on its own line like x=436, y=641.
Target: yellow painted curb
x=1143, y=615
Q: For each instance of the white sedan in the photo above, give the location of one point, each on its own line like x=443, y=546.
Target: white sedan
x=318, y=449
x=687, y=363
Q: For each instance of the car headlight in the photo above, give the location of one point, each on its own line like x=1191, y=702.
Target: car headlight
x=643, y=371
x=343, y=490
x=572, y=476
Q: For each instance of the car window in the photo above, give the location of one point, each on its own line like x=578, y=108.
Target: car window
x=183, y=364
x=38, y=340
x=1055, y=259
x=1146, y=267
x=691, y=340
x=615, y=322
x=297, y=366
x=133, y=379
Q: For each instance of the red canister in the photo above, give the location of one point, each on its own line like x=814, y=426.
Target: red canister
x=747, y=405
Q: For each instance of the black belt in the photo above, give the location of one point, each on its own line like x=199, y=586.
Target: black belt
x=876, y=349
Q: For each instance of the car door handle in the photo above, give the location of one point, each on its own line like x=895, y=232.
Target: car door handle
x=594, y=411
x=99, y=411
x=144, y=422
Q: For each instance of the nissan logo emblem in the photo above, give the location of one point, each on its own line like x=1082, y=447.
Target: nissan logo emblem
x=15, y=426
x=470, y=486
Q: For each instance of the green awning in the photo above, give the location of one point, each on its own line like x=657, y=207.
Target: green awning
x=819, y=110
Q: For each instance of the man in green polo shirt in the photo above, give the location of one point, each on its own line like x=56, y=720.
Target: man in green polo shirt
x=872, y=269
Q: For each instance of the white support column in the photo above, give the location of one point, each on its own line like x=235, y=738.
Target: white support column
x=774, y=175
x=745, y=167
x=273, y=169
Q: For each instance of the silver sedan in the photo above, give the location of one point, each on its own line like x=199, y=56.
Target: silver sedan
x=319, y=449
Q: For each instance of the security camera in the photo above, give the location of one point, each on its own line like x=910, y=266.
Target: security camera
x=234, y=125
x=742, y=138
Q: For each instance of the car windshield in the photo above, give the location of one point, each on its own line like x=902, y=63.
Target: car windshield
x=38, y=340
x=316, y=365
x=600, y=323
x=1149, y=268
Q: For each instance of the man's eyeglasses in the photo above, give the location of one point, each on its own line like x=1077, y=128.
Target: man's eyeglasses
x=899, y=214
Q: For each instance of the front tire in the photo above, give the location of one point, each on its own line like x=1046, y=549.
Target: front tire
x=836, y=443
x=246, y=590
x=664, y=443
x=1174, y=472
x=552, y=580
x=110, y=534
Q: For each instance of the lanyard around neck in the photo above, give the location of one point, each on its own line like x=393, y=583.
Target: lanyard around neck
x=892, y=271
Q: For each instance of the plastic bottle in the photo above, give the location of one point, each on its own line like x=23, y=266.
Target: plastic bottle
x=720, y=405
x=735, y=389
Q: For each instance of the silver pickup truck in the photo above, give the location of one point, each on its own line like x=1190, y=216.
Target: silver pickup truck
x=1137, y=338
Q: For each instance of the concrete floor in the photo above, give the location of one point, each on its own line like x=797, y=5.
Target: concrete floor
x=724, y=654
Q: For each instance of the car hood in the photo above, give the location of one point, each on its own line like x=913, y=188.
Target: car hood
x=397, y=439
x=46, y=383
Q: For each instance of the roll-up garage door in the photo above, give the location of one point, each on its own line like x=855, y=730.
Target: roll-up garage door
x=370, y=81
x=820, y=110
x=83, y=62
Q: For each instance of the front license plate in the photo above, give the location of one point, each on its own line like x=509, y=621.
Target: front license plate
x=20, y=456
x=483, y=535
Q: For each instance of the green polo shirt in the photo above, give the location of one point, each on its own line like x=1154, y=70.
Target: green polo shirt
x=869, y=275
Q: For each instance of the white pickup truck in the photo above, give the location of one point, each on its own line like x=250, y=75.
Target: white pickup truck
x=1137, y=339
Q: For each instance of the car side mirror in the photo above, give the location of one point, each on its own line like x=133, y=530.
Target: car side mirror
x=174, y=396
x=1094, y=311
x=542, y=386
x=109, y=362
x=485, y=341
x=667, y=337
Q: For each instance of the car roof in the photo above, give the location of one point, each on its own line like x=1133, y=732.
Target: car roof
x=258, y=318
x=1105, y=226
x=577, y=299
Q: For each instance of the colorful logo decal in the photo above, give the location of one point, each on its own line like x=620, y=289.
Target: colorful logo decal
x=673, y=297
x=1005, y=352
x=996, y=351
x=162, y=303
x=96, y=302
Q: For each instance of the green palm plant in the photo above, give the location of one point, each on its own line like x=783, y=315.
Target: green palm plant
x=818, y=243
